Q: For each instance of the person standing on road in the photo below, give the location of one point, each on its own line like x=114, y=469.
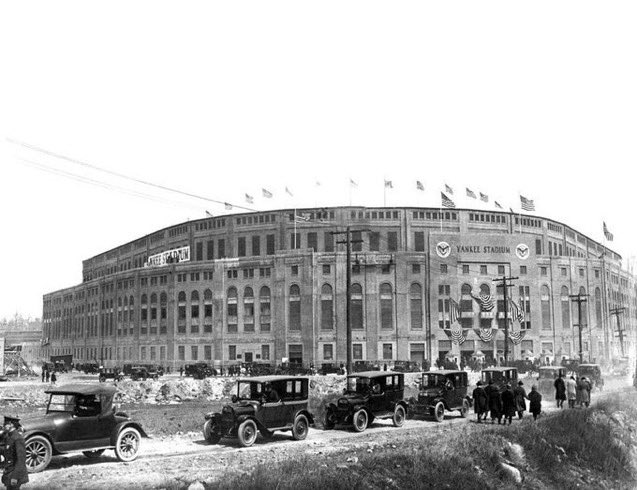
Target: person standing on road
x=571, y=391
x=495, y=402
x=535, y=405
x=508, y=404
x=560, y=391
x=54, y=378
x=586, y=391
x=46, y=375
x=520, y=403
x=15, y=470
x=480, y=401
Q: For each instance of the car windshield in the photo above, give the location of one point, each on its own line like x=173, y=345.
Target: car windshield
x=61, y=403
x=433, y=380
x=249, y=390
x=358, y=384
x=548, y=374
x=492, y=375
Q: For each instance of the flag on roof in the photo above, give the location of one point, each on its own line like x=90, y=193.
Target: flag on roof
x=448, y=189
x=227, y=205
x=419, y=186
x=446, y=202
x=352, y=183
x=497, y=205
x=484, y=197
x=266, y=193
x=208, y=214
x=288, y=191
x=249, y=199
x=527, y=204
x=607, y=234
x=470, y=193
x=388, y=183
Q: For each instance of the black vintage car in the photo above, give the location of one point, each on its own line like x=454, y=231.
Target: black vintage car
x=440, y=391
x=262, y=404
x=199, y=370
x=369, y=395
x=592, y=372
x=501, y=376
x=142, y=373
x=110, y=373
x=80, y=418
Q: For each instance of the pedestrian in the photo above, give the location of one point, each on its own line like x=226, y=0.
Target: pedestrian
x=508, y=404
x=535, y=405
x=520, y=403
x=385, y=367
x=571, y=391
x=15, y=466
x=54, y=378
x=46, y=376
x=495, y=402
x=480, y=401
x=560, y=391
x=586, y=391
x=43, y=372
x=181, y=371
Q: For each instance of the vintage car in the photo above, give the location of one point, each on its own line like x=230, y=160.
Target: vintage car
x=500, y=376
x=199, y=370
x=593, y=373
x=547, y=376
x=440, y=391
x=262, y=404
x=369, y=395
x=142, y=373
x=110, y=373
x=80, y=418
x=407, y=366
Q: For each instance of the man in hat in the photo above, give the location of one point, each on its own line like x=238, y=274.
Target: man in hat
x=519, y=394
x=12, y=443
x=480, y=401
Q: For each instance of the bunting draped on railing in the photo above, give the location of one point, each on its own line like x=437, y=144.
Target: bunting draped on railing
x=485, y=301
x=485, y=334
x=516, y=337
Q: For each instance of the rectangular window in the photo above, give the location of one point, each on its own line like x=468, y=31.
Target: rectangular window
x=388, y=352
x=328, y=352
x=419, y=241
x=265, y=352
x=543, y=271
x=563, y=271
x=221, y=248
x=501, y=270
x=417, y=353
x=269, y=244
x=256, y=245
x=483, y=270
x=328, y=241
x=538, y=246
x=374, y=241
x=207, y=352
x=210, y=250
x=357, y=244
x=581, y=272
x=523, y=270
x=392, y=241
x=241, y=246
x=443, y=268
x=357, y=352
x=415, y=268
x=295, y=240
x=312, y=241
x=327, y=269
x=194, y=352
x=465, y=268
x=181, y=352
x=232, y=352
x=294, y=270
x=199, y=251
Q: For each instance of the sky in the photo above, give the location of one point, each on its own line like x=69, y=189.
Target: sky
x=220, y=99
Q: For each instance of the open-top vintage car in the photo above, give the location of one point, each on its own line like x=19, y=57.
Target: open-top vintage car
x=262, y=404
x=501, y=376
x=369, y=395
x=80, y=418
x=440, y=391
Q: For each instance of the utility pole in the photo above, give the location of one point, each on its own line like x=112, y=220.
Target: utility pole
x=620, y=332
x=579, y=298
x=501, y=282
x=348, y=290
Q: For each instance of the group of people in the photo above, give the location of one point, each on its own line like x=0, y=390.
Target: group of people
x=49, y=375
x=576, y=391
x=503, y=406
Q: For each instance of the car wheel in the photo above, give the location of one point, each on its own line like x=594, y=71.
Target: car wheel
x=247, y=433
x=399, y=416
x=328, y=422
x=38, y=453
x=210, y=433
x=300, y=428
x=93, y=454
x=102, y=379
x=465, y=408
x=439, y=412
x=127, y=445
x=359, y=420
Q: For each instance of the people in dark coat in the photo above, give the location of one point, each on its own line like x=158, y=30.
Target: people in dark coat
x=535, y=399
x=519, y=394
x=495, y=402
x=480, y=401
x=584, y=387
x=560, y=391
x=15, y=469
x=508, y=404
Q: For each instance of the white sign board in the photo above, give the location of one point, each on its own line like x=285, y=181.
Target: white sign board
x=169, y=257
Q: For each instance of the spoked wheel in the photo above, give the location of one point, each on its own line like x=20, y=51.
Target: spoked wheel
x=210, y=433
x=300, y=428
x=439, y=412
x=93, y=454
x=399, y=416
x=360, y=420
x=38, y=453
x=247, y=433
x=127, y=445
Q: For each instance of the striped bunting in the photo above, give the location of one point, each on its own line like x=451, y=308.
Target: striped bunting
x=485, y=334
x=516, y=337
x=485, y=301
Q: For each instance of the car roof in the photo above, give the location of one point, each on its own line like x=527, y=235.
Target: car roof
x=444, y=372
x=271, y=379
x=83, y=389
x=551, y=368
x=372, y=374
x=589, y=365
x=494, y=369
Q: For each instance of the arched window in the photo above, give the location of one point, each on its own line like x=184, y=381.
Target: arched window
x=386, y=306
x=232, y=310
x=598, y=307
x=566, y=308
x=545, y=303
x=327, y=308
x=466, y=306
x=356, y=306
x=264, y=309
x=415, y=305
x=294, y=308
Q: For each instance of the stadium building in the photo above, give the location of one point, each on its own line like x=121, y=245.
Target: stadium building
x=270, y=286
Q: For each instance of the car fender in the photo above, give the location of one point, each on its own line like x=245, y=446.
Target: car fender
x=242, y=418
x=310, y=417
x=28, y=435
x=212, y=415
x=122, y=425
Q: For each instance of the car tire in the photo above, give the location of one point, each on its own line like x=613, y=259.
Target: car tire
x=38, y=453
x=127, y=444
x=247, y=433
x=209, y=432
x=464, y=411
x=93, y=454
x=359, y=420
x=300, y=428
x=399, y=416
x=439, y=412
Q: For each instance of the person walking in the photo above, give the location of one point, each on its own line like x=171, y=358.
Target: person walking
x=535, y=405
x=54, y=378
x=508, y=404
x=520, y=399
x=15, y=470
x=571, y=391
x=560, y=391
x=495, y=402
x=46, y=375
x=586, y=391
x=480, y=402
x=181, y=371
x=43, y=372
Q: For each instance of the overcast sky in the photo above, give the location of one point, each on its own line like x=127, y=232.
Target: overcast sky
x=220, y=99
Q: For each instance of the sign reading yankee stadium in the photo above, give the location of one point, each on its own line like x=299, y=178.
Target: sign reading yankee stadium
x=482, y=246
x=181, y=254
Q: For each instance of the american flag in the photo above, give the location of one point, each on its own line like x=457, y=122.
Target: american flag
x=388, y=183
x=227, y=205
x=208, y=214
x=485, y=301
x=454, y=312
x=516, y=337
x=484, y=197
x=288, y=191
x=448, y=189
x=419, y=186
x=352, y=183
x=607, y=234
x=446, y=202
x=497, y=205
x=249, y=199
x=266, y=193
x=470, y=193
x=527, y=204
x=517, y=312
